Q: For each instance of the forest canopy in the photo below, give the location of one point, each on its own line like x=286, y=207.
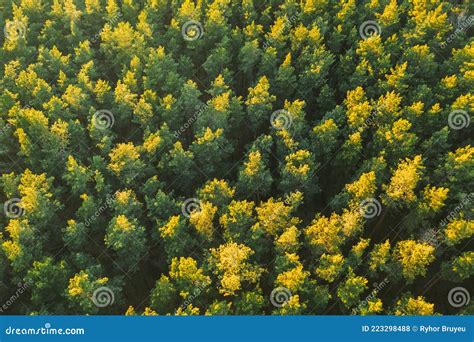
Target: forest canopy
x=254, y=157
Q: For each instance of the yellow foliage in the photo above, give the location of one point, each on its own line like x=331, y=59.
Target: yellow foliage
x=288, y=241
x=149, y=312
x=358, y=108
x=293, y=279
x=330, y=266
x=414, y=306
x=254, y=165
x=168, y=230
x=389, y=15
x=221, y=102
x=122, y=223
x=231, y=264
x=189, y=310
x=404, y=180
x=203, y=218
x=152, y=142
x=130, y=311
x=434, y=197
x=121, y=155
x=458, y=230
x=362, y=188
x=187, y=269
x=259, y=94
x=414, y=258
x=325, y=233
x=379, y=256
x=275, y=216
x=75, y=287
x=399, y=131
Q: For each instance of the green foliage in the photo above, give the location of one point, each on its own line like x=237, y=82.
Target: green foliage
x=194, y=173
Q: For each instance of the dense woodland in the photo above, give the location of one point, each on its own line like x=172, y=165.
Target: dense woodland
x=254, y=157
